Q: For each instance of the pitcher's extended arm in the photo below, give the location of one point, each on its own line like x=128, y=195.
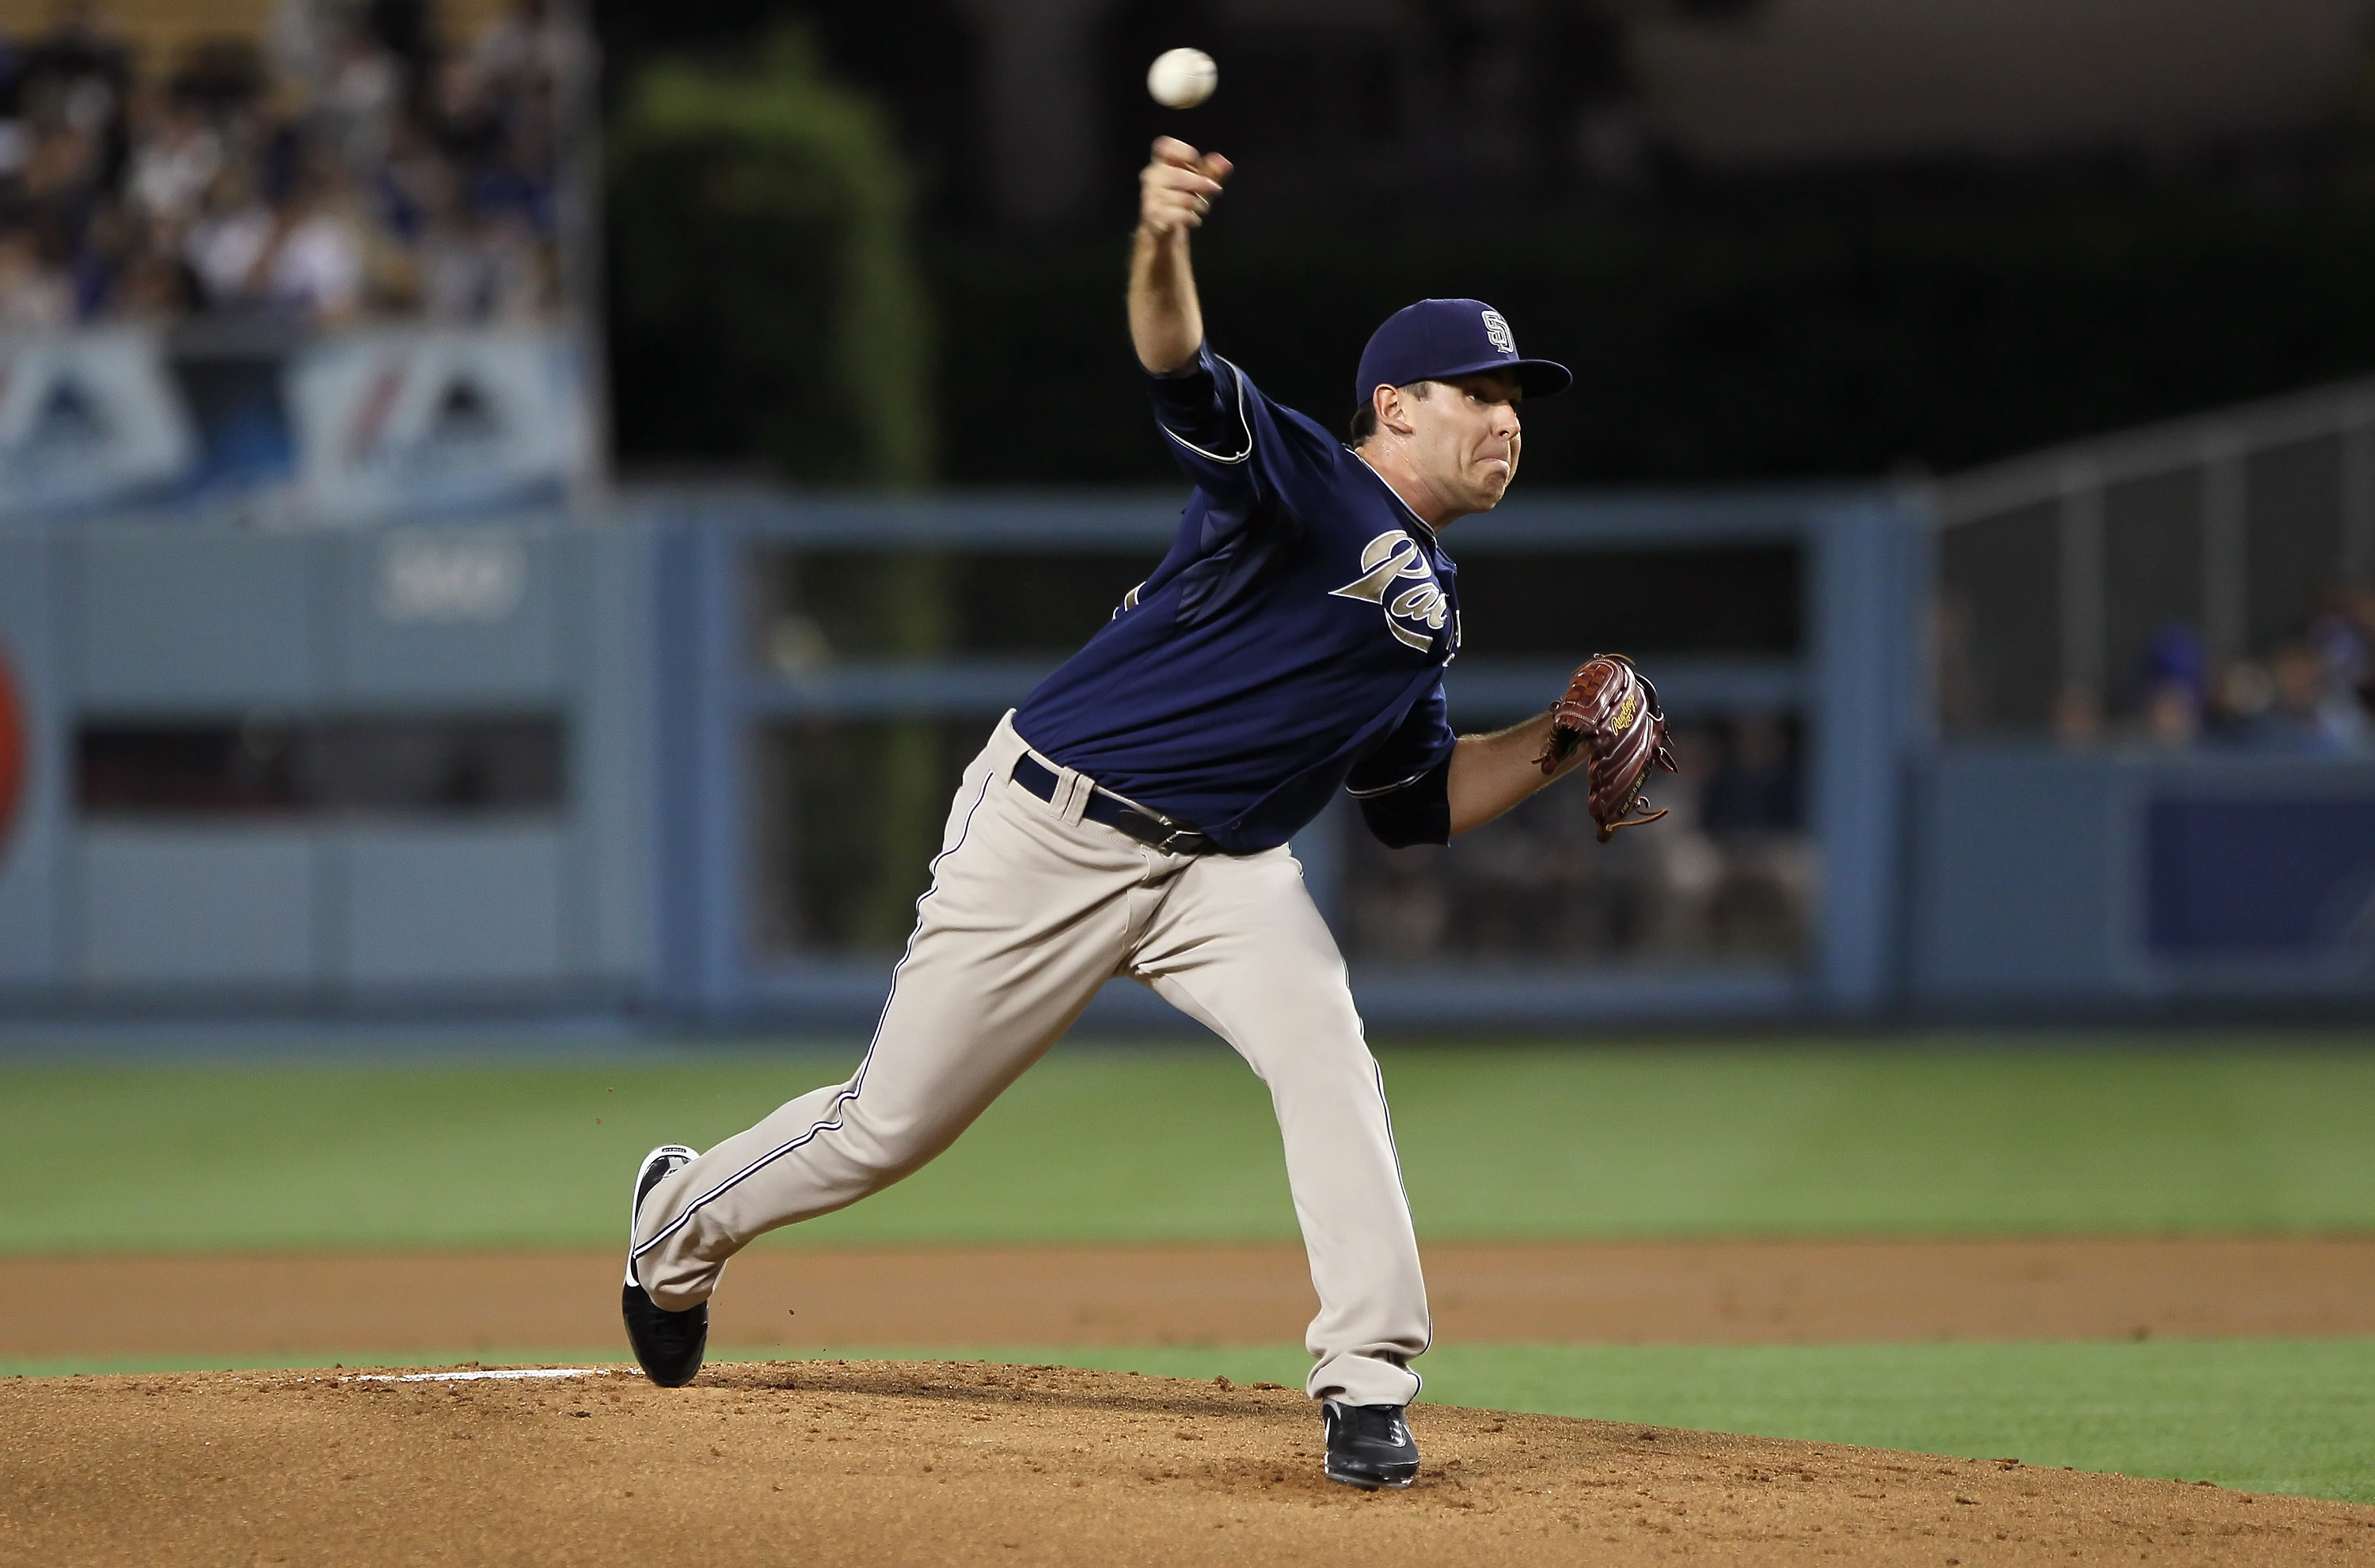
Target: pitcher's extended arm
x=1175, y=192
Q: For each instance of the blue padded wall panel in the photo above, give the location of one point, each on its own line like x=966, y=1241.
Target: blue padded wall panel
x=472, y=906
x=615, y=854
x=204, y=907
x=2272, y=878
x=449, y=616
x=194, y=619
x=2021, y=890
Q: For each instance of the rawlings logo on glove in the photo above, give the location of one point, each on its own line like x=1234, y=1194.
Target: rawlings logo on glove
x=1604, y=705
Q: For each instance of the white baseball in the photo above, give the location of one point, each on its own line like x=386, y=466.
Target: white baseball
x=1182, y=79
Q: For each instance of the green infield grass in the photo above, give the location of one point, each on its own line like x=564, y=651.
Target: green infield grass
x=2272, y=1415
x=1976, y=1135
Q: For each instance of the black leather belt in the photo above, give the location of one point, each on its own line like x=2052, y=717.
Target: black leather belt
x=1147, y=827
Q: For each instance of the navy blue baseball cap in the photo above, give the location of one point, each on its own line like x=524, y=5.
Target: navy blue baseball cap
x=1437, y=339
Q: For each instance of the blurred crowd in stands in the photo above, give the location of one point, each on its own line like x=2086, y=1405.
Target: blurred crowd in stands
x=349, y=163
x=2308, y=696
x=1730, y=873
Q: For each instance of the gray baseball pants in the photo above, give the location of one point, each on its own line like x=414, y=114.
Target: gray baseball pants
x=1031, y=910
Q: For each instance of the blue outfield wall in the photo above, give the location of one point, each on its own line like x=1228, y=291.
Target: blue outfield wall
x=1853, y=688
x=2054, y=884
x=260, y=769
x=2011, y=882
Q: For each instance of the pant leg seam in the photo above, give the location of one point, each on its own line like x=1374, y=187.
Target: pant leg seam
x=832, y=1121
x=1377, y=1078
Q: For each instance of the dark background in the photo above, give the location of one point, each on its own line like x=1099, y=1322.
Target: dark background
x=1843, y=319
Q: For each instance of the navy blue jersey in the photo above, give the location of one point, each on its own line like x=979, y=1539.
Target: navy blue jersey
x=1292, y=643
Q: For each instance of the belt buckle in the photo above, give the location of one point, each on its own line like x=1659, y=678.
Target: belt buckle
x=1157, y=830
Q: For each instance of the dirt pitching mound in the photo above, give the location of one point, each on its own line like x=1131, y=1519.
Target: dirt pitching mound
x=939, y=1462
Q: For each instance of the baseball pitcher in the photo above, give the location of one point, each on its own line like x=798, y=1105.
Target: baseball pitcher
x=1132, y=818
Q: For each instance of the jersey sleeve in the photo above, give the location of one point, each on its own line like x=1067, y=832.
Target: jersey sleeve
x=1405, y=785
x=1237, y=446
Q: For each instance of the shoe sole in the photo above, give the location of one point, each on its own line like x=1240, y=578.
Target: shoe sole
x=1369, y=1483
x=636, y=1197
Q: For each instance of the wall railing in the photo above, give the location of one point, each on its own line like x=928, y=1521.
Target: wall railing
x=778, y=686
x=2060, y=567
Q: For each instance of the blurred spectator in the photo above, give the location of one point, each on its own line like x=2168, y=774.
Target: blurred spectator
x=301, y=40
x=155, y=284
x=313, y=263
x=467, y=122
x=2344, y=637
x=479, y=266
x=348, y=166
x=2243, y=693
x=536, y=64
x=16, y=148
x=60, y=182
x=78, y=77
x=357, y=111
x=2077, y=715
x=2176, y=686
x=176, y=161
x=1690, y=868
x=400, y=30
x=33, y=297
x=2173, y=717
x=1754, y=788
x=228, y=240
x=2302, y=716
x=1753, y=810
x=1535, y=885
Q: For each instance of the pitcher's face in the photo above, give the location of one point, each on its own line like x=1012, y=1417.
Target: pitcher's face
x=1465, y=438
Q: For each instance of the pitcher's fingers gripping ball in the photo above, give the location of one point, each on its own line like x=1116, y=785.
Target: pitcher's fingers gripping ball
x=1613, y=708
x=1178, y=185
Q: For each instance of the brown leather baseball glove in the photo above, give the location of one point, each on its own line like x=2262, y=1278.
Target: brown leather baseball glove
x=1613, y=708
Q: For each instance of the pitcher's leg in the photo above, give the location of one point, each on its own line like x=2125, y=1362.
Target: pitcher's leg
x=1023, y=923
x=1239, y=947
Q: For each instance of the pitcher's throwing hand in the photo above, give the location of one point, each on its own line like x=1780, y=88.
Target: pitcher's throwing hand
x=1179, y=187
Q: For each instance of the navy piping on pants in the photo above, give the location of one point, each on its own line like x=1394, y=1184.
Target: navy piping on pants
x=1377, y=1071
x=858, y=1084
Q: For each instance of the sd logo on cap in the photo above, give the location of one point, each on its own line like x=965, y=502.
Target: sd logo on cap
x=1437, y=339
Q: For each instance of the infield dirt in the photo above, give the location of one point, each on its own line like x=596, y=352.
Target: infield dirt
x=277, y=1307
x=915, y=1463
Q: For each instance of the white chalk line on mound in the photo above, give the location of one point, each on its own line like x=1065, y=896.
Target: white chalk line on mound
x=506, y=1374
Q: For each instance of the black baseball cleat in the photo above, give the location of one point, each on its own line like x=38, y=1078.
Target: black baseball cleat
x=668, y=1344
x=1369, y=1446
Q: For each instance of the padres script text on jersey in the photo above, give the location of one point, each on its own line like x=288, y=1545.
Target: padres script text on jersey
x=1292, y=640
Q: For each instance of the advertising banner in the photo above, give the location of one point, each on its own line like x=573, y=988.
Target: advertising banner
x=89, y=419
x=418, y=423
